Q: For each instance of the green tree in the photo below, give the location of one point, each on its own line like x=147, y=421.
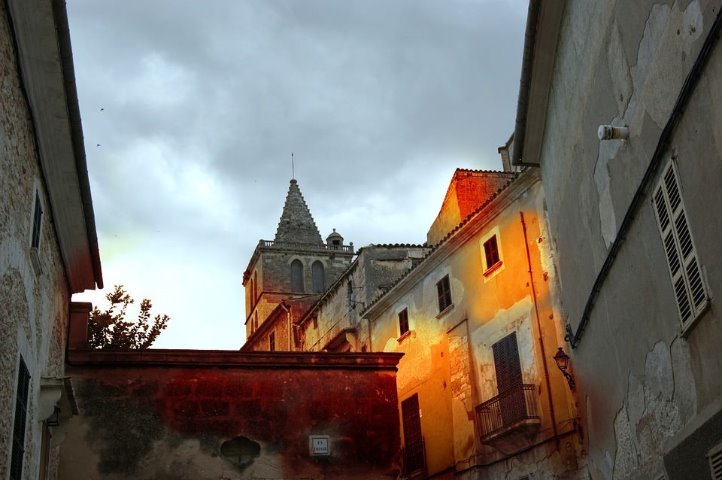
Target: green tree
x=108, y=329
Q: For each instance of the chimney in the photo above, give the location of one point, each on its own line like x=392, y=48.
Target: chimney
x=78, y=334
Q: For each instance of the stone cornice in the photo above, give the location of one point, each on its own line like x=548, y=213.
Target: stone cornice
x=232, y=358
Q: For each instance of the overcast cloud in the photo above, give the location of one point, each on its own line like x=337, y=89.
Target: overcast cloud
x=191, y=110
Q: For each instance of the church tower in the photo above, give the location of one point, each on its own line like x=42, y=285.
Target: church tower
x=296, y=267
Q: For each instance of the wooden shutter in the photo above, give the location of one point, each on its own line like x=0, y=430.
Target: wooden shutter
x=506, y=363
x=403, y=321
x=715, y=462
x=684, y=268
x=20, y=424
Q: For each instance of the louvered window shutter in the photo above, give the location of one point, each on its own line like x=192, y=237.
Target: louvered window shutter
x=715, y=462
x=684, y=267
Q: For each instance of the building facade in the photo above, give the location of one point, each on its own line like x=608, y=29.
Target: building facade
x=620, y=109
x=478, y=323
x=48, y=243
x=334, y=322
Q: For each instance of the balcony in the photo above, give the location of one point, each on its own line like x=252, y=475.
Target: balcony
x=414, y=460
x=512, y=413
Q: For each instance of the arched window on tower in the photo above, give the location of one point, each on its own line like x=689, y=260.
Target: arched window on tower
x=255, y=288
x=296, y=276
x=318, y=277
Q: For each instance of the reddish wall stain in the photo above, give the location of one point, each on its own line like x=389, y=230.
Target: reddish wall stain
x=276, y=407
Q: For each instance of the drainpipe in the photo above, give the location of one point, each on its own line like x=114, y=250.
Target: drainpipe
x=288, y=317
x=541, y=336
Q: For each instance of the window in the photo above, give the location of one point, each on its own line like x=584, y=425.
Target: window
x=491, y=254
x=403, y=321
x=37, y=222
x=336, y=244
x=296, y=276
x=714, y=456
x=21, y=412
x=272, y=342
x=349, y=295
x=684, y=268
x=443, y=289
x=318, y=279
x=509, y=379
x=255, y=288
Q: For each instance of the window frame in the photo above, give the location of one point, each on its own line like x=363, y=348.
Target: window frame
x=403, y=318
x=20, y=416
x=318, y=274
x=490, y=271
x=296, y=275
x=689, y=289
x=444, y=294
x=37, y=225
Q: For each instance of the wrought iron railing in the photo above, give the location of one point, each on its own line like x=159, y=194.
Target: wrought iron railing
x=511, y=408
x=320, y=246
x=414, y=458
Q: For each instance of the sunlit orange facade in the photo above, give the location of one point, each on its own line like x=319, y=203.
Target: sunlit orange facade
x=479, y=322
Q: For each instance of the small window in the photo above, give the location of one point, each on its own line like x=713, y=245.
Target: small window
x=443, y=289
x=272, y=342
x=403, y=321
x=21, y=412
x=336, y=244
x=37, y=222
x=296, y=276
x=318, y=277
x=684, y=268
x=491, y=254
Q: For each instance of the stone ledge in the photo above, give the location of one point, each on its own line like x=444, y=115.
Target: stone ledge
x=233, y=358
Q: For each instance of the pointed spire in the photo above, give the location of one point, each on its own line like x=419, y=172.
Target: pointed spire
x=296, y=224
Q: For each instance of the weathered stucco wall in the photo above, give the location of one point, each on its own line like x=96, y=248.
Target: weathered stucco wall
x=643, y=383
x=33, y=301
x=448, y=358
x=226, y=415
x=377, y=267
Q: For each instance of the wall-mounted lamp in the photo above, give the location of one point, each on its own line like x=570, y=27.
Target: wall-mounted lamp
x=610, y=132
x=562, y=361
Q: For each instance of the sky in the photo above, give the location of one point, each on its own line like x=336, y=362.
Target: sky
x=191, y=110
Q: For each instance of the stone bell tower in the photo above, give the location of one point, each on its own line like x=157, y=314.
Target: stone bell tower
x=296, y=264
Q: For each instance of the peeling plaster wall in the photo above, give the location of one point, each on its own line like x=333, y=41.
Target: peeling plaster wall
x=34, y=303
x=163, y=422
x=377, y=267
x=642, y=384
x=448, y=360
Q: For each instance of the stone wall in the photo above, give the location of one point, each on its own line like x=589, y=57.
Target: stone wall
x=377, y=267
x=228, y=415
x=33, y=290
x=647, y=389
